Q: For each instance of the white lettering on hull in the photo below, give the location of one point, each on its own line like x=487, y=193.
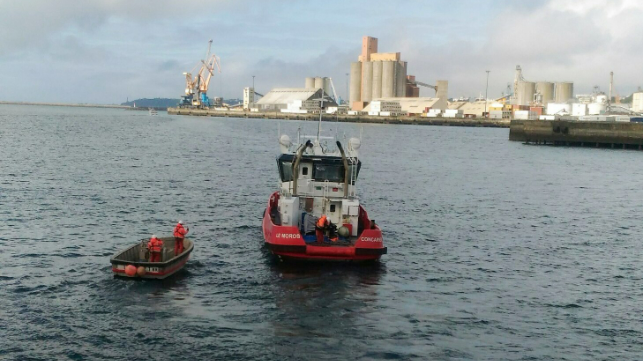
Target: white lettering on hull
x=371, y=239
x=287, y=235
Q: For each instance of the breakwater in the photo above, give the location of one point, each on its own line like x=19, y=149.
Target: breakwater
x=578, y=133
x=70, y=105
x=414, y=120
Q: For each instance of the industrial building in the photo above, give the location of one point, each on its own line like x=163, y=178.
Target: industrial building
x=377, y=76
x=404, y=105
x=280, y=98
x=637, y=102
x=540, y=93
x=295, y=100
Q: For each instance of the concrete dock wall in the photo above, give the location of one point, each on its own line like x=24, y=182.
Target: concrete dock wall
x=463, y=122
x=577, y=133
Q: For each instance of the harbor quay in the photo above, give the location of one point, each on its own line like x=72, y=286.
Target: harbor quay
x=346, y=118
x=623, y=135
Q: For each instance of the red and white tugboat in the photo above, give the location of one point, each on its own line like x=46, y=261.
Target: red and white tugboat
x=318, y=179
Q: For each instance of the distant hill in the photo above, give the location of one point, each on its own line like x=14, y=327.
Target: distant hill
x=158, y=103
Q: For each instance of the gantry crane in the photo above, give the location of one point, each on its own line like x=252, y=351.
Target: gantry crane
x=196, y=87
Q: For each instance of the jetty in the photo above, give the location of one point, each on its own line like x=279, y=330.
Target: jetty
x=625, y=135
x=345, y=118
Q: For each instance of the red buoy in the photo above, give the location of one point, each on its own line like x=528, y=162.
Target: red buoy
x=130, y=270
x=140, y=271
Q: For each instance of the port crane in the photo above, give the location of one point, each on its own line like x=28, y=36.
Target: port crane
x=196, y=87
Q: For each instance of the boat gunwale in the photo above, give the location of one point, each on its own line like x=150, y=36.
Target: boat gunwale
x=115, y=261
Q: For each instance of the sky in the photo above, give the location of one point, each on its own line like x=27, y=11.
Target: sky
x=105, y=51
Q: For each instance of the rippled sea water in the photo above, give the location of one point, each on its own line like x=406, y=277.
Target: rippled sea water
x=497, y=250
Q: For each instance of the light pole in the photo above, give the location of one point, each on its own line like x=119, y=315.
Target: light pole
x=486, y=96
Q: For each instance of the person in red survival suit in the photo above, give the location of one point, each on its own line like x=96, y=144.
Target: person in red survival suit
x=321, y=227
x=179, y=235
x=154, y=246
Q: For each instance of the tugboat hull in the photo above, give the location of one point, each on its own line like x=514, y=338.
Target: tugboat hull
x=287, y=242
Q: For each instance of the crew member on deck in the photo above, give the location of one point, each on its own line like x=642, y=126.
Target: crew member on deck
x=154, y=246
x=179, y=235
x=320, y=229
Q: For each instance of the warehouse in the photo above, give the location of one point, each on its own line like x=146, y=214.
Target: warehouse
x=279, y=98
x=410, y=105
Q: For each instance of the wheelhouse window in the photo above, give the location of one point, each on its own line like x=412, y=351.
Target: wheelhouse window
x=285, y=171
x=328, y=172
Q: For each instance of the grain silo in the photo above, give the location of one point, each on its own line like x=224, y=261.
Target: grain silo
x=326, y=88
x=545, y=92
x=564, y=91
x=525, y=92
x=367, y=81
x=319, y=82
x=388, y=79
x=377, y=80
x=310, y=82
x=400, y=79
x=356, y=82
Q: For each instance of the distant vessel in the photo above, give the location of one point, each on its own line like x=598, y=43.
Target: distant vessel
x=153, y=112
x=316, y=179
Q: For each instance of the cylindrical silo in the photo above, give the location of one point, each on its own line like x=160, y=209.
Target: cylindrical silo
x=377, y=80
x=546, y=91
x=319, y=82
x=367, y=81
x=564, y=91
x=388, y=79
x=327, y=86
x=526, y=91
x=356, y=83
x=400, y=79
x=310, y=82
x=596, y=108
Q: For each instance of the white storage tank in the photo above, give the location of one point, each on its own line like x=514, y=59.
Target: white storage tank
x=596, y=109
x=558, y=109
x=601, y=98
x=564, y=91
x=326, y=82
x=310, y=83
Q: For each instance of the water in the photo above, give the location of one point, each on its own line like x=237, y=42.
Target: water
x=497, y=250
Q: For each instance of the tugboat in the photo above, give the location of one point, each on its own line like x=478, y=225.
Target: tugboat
x=319, y=179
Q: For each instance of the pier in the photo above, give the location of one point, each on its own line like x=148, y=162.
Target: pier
x=623, y=135
x=345, y=118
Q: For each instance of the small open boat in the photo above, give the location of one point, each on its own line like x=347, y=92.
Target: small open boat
x=137, y=257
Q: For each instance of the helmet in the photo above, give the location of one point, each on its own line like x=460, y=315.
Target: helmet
x=180, y=222
x=153, y=236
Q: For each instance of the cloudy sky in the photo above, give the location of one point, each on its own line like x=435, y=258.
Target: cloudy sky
x=103, y=51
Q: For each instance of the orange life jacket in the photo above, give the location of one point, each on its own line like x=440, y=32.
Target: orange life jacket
x=154, y=245
x=322, y=222
x=179, y=231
